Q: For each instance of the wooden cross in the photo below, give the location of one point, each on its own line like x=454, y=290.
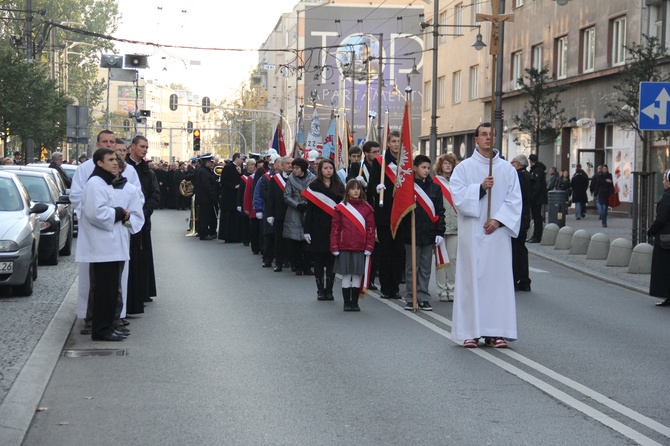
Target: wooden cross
x=495, y=18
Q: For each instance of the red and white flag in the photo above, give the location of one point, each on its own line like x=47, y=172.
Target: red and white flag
x=403, y=194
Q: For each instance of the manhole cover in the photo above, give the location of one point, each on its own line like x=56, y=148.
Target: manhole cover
x=93, y=352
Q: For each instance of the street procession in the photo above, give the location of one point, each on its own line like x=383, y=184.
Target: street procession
x=372, y=222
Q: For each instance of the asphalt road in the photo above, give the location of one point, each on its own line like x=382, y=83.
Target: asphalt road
x=234, y=354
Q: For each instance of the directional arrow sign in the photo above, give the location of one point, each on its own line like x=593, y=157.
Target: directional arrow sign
x=654, y=101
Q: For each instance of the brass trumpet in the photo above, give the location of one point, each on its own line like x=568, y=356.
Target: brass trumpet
x=218, y=170
x=186, y=188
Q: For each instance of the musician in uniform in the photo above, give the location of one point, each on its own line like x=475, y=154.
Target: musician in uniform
x=206, y=195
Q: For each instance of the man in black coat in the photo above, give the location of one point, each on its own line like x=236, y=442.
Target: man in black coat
x=141, y=274
x=519, y=250
x=392, y=251
x=275, y=211
x=230, y=219
x=580, y=184
x=56, y=161
x=538, y=198
x=206, y=195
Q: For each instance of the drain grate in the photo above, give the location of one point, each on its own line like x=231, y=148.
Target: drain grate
x=94, y=352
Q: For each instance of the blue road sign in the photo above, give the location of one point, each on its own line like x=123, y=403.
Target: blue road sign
x=654, y=101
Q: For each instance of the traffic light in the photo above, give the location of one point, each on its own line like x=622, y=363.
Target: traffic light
x=174, y=102
x=189, y=126
x=159, y=126
x=196, y=140
x=126, y=125
x=206, y=107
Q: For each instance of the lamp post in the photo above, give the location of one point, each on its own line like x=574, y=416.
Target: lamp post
x=65, y=67
x=478, y=45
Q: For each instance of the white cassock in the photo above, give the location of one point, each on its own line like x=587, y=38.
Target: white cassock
x=79, y=180
x=131, y=198
x=484, y=301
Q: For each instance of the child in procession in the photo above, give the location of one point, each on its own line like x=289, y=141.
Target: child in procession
x=429, y=232
x=352, y=240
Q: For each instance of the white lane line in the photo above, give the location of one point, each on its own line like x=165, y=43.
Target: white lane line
x=543, y=386
x=536, y=270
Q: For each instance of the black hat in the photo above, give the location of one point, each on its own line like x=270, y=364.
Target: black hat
x=206, y=157
x=533, y=157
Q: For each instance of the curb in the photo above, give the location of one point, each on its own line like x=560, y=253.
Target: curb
x=18, y=407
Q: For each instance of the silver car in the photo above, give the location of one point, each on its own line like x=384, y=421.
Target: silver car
x=19, y=235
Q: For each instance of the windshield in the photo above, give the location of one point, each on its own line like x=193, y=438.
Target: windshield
x=10, y=200
x=37, y=188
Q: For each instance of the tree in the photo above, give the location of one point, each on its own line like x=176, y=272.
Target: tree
x=32, y=106
x=642, y=65
x=541, y=117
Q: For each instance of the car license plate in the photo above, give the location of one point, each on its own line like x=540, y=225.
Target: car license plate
x=6, y=267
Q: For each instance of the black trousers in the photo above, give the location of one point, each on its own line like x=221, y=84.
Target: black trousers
x=268, y=248
x=119, y=298
x=206, y=218
x=300, y=258
x=281, y=246
x=105, y=292
x=323, y=263
x=538, y=221
x=255, y=236
x=244, y=229
x=391, y=260
x=520, y=259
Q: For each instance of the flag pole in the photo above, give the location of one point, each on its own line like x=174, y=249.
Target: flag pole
x=408, y=91
x=383, y=173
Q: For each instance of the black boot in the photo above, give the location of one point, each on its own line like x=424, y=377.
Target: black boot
x=346, y=293
x=330, y=280
x=354, y=299
x=319, y=290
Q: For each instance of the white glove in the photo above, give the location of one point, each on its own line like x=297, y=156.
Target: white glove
x=362, y=180
x=438, y=240
x=308, y=238
x=380, y=187
x=367, y=253
x=239, y=209
x=336, y=253
x=259, y=215
x=271, y=220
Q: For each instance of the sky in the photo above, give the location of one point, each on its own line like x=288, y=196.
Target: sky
x=231, y=24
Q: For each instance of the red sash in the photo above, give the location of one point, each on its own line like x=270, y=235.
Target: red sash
x=441, y=256
x=279, y=179
x=268, y=176
x=425, y=202
x=444, y=185
x=353, y=216
x=325, y=203
x=390, y=169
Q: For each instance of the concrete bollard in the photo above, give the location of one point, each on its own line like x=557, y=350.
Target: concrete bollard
x=580, y=242
x=599, y=247
x=621, y=250
x=640, y=261
x=549, y=234
x=564, y=238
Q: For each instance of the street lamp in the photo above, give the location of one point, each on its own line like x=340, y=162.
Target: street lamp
x=65, y=67
x=477, y=45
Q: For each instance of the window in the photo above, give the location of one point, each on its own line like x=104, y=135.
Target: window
x=562, y=57
x=427, y=95
x=441, y=91
x=517, y=3
x=516, y=70
x=537, y=62
x=588, y=49
x=458, y=18
x=441, y=31
x=475, y=8
x=618, y=41
x=609, y=136
x=456, y=88
x=474, y=82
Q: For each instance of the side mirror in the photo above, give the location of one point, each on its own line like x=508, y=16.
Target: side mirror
x=38, y=208
x=63, y=199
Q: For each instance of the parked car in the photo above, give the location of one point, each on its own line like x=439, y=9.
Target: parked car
x=69, y=169
x=19, y=235
x=56, y=221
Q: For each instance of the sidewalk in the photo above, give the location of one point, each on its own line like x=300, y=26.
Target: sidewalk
x=617, y=227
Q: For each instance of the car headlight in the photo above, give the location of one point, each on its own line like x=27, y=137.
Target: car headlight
x=8, y=246
x=44, y=225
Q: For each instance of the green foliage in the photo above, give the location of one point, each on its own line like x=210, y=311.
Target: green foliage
x=542, y=117
x=31, y=106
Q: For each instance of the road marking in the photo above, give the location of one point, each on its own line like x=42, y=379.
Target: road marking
x=546, y=387
x=535, y=270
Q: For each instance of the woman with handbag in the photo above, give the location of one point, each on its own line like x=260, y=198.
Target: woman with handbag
x=603, y=189
x=659, y=285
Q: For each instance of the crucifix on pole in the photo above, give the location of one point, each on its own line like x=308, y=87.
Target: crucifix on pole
x=496, y=19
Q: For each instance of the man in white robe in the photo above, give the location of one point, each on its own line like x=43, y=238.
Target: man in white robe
x=484, y=302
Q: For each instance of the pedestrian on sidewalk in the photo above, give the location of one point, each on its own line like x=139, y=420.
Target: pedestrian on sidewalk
x=519, y=250
x=659, y=285
x=539, y=197
x=352, y=240
x=580, y=183
x=603, y=189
